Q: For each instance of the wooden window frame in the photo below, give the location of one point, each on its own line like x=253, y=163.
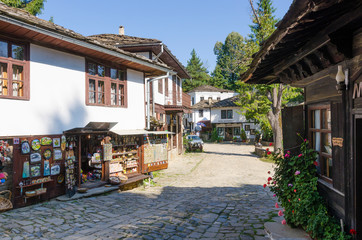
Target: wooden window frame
x=201, y=113
x=166, y=87
x=226, y=114
x=108, y=81
x=160, y=86
x=311, y=130
x=10, y=62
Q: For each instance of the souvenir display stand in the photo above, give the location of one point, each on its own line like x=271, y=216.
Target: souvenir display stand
x=38, y=168
x=155, y=152
x=126, y=154
x=6, y=170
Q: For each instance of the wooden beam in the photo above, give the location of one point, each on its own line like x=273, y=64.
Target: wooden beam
x=322, y=58
x=320, y=39
x=312, y=68
x=336, y=55
x=300, y=68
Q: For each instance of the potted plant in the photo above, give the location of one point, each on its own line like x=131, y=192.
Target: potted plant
x=243, y=135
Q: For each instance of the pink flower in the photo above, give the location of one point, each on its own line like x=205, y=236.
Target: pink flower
x=267, y=149
x=276, y=205
x=305, y=140
x=288, y=152
x=298, y=199
x=264, y=185
x=297, y=173
x=284, y=222
x=268, y=172
x=269, y=179
x=315, y=163
x=300, y=155
x=268, y=153
x=288, y=200
x=290, y=185
x=270, y=144
x=287, y=155
x=295, y=190
x=274, y=195
x=274, y=182
x=280, y=213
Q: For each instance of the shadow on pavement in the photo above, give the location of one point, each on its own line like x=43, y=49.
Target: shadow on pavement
x=153, y=213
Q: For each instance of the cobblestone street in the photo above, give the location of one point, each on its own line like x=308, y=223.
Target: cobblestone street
x=217, y=194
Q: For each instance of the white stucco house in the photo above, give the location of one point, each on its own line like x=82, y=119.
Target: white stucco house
x=216, y=108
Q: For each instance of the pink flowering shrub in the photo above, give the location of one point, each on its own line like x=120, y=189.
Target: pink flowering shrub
x=295, y=186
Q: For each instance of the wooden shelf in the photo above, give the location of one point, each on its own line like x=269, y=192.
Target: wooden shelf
x=24, y=186
x=124, y=153
x=35, y=195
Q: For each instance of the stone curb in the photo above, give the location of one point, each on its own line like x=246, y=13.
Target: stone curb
x=278, y=231
x=89, y=193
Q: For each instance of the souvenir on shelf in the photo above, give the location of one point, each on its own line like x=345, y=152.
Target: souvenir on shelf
x=35, y=171
x=35, y=157
x=26, y=170
x=46, y=168
x=46, y=141
x=63, y=143
x=35, y=144
x=57, y=154
x=25, y=147
x=6, y=151
x=47, y=154
x=56, y=142
x=55, y=170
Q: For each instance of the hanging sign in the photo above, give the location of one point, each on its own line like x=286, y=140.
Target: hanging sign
x=337, y=142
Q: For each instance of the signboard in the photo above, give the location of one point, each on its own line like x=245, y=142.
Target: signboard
x=337, y=142
x=107, y=152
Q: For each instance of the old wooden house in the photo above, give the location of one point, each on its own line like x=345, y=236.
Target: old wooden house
x=317, y=46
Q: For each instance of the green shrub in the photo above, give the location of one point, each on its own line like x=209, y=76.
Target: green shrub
x=295, y=185
x=243, y=135
x=214, y=135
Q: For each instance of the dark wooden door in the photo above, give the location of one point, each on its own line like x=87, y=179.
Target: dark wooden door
x=358, y=181
x=228, y=134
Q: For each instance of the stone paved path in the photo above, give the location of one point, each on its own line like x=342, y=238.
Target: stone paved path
x=217, y=194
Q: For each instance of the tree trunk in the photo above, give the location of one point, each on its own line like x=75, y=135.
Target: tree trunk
x=274, y=117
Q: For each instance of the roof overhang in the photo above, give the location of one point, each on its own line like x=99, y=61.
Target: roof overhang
x=15, y=28
x=167, y=57
x=312, y=36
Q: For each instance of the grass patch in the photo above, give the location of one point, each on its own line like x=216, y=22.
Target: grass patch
x=267, y=159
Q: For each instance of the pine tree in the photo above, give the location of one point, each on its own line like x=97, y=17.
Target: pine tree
x=34, y=7
x=199, y=74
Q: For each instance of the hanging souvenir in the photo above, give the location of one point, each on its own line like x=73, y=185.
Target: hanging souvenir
x=25, y=147
x=60, y=178
x=46, y=168
x=26, y=169
x=35, y=144
x=56, y=142
x=55, y=170
x=63, y=143
x=35, y=157
x=47, y=154
x=35, y=171
x=46, y=141
x=57, y=154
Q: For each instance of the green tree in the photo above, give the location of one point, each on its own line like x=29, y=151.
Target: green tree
x=233, y=56
x=199, y=74
x=264, y=102
x=34, y=7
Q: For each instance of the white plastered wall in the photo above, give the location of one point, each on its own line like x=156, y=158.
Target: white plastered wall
x=57, y=98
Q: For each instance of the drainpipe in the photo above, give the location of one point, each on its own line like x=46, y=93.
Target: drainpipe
x=149, y=81
x=159, y=55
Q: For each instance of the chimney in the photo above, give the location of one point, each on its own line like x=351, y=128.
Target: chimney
x=121, y=30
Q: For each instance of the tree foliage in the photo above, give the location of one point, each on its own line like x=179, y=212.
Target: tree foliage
x=199, y=74
x=34, y=7
x=232, y=58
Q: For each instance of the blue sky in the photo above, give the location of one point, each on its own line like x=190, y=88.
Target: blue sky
x=182, y=25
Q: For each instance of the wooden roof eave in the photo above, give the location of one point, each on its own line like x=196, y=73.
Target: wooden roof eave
x=255, y=72
x=152, y=68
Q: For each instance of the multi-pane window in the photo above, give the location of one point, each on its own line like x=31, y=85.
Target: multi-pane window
x=13, y=65
x=201, y=113
x=320, y=136
x=226, y=114
x=166, y=87
x=236, y=130
x=160, y=87
x=106, y=86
